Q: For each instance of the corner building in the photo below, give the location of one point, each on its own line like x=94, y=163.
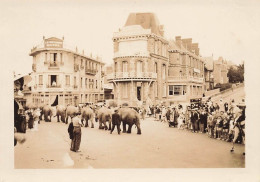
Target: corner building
x=64, y=74
x=186, y=71
x=140, y=61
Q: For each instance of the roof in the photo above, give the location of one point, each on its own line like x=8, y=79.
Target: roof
x=146, y=20
x=209, y=62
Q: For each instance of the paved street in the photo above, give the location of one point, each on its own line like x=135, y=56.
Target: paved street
x=158, y=147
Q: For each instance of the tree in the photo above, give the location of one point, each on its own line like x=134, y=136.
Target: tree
x=236, y=74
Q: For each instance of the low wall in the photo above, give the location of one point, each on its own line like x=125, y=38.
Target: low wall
x=212, y=92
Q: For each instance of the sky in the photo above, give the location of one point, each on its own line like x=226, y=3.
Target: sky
x=222, y=28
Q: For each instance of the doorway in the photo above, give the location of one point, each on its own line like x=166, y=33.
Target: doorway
x=139, y=93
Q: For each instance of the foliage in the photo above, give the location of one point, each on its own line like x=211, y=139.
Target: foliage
x=224, y=86
x=236, y=75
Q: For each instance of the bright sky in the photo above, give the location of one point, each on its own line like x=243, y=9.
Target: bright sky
x=222, y=28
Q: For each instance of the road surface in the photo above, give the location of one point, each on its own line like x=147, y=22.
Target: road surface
x=158, y=147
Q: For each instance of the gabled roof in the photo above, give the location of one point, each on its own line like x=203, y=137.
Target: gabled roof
x=146, y=20
x=209, y=62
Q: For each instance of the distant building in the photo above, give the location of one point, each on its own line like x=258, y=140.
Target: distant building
x=140, y=61
x=220, y=71
x=208, y=73
x=108, y=87
x=186, y=71
x=65, y=74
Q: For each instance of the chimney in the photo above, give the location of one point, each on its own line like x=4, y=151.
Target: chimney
x=178, y=41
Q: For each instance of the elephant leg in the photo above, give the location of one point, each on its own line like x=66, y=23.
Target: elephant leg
x=45, y=117
x=124, y=127
x=58, y=118
x=105, y=125
x=92, y=123
x=138, y=129
x=67, y=118
x=129, y=128
x=50, y=118
x=100, y=125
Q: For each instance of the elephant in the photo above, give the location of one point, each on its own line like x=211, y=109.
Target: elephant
x=129, y=117
x=70, y=110
x=104, y=114
x=60, y=112
x=47, y=111
x=87, y=114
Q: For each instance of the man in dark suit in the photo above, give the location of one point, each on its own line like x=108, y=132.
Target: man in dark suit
x=116, y=122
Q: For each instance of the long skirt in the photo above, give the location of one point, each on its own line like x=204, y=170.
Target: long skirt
x=76, y=139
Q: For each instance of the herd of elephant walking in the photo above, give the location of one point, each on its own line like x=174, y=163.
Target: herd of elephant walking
x=102, y=115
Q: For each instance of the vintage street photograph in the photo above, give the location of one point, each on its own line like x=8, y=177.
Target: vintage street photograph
x=127, y=84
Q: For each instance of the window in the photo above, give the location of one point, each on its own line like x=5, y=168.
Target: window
x=155, y=67
x=86, y=65
x=81, y=82
x=124, y=66
x=170, y=89
x=81, y=62
x=86, y=83
x=164, y=90
x=164, y=72
x=54, y=57
x=139, y=67
x=96, y=85
x=156, y=89
x=46, y=56
x=40, y=80
x=115, y=66
x=75, y=81
x=60, y=57
x=177, y=90
x=67, y=80
x=125, y=90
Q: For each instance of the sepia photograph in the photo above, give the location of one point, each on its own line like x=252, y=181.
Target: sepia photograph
x=129, y=85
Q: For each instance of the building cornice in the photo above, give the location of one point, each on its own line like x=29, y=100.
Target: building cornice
x=37, y=50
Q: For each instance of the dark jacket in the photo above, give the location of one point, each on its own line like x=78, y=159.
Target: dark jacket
x=194, y=117
x=70, y=130
x=116, y=119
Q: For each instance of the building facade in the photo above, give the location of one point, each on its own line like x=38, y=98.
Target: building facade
x=208, y=73
x=186, y=71
x=140, y=61
x=64, y=74
x=220, y=71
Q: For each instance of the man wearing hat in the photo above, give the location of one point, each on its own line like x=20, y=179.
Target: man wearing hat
x=115, y=122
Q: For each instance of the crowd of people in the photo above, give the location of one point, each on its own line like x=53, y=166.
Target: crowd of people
x=222, y=121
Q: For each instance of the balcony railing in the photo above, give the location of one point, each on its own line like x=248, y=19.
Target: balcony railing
x=53, y=65
x=132, y=75
x=53, y=86
x=91, y=71
x=186, y=79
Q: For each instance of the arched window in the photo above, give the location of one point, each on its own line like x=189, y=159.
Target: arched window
x=163, y=71
x=124, y=64
x=139, y=66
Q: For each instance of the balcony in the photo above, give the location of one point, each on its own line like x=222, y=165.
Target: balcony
x=53, y=86
x=186, y=79
x=91, y=71
x=54, y=65
x=123, y=76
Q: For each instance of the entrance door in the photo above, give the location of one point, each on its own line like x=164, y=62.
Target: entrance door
x=139, y=93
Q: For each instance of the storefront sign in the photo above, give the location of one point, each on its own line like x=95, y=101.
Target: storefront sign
x=53, y=44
